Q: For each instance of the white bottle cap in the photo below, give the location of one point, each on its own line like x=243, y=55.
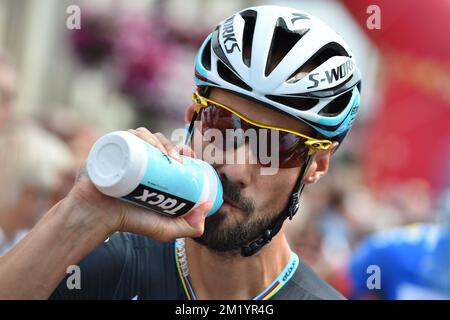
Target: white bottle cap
x=117, y=162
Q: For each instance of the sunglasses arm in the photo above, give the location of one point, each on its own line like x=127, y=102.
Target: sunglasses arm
x=190, y=129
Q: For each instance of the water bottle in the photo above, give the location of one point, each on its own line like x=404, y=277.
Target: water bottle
x=123, y=166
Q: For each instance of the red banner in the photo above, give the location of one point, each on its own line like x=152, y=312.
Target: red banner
x=410, y=135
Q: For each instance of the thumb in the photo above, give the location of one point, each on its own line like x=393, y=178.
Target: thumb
x=196, y=218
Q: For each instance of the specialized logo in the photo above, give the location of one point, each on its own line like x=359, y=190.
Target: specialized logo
x=332, y=75
x=229, y=38
x=159, y=201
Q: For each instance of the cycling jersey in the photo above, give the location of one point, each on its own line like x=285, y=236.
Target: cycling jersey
x=130, y=266
x=414, y=263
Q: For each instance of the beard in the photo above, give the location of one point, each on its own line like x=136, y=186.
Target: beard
x=227, y=237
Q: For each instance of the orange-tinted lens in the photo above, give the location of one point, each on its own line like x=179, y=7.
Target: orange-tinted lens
x=291, y=151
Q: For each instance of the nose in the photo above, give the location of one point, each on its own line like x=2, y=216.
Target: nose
x=238, y=166
x=236, y=173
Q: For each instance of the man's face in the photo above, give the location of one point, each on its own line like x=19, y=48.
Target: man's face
x=251, y=200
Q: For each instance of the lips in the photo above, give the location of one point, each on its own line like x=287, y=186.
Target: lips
x=230, y=202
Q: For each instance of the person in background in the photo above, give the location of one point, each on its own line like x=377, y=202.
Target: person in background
x=33, y=165
x=324, y=236
x=413, y=261
x=78, y=135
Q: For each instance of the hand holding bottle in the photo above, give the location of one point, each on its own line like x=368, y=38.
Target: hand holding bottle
x=117, y=215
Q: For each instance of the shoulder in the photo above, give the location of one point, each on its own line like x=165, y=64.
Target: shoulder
x=409, y=235
x=305, y=284
x=394, y=251
x=393, y=243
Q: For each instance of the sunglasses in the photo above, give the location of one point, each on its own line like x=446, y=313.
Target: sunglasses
x=292, y=146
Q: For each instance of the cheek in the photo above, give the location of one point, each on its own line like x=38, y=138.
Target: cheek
x=273, y=192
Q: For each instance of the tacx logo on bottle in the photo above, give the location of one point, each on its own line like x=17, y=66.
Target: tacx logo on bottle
x=159, y=201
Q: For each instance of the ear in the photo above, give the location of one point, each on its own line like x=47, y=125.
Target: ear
x=189, y=113
x=319, y=164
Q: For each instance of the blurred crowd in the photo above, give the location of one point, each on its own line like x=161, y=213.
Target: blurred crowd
x=40, y=155
x=340, y=212
x=38, y=161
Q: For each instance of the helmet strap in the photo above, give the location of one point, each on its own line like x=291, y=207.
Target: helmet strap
x=190, y=129
x=288, y=212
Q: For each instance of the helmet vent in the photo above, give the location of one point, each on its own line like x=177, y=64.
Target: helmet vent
x=298, y=103
x=328, y=51
x=226, y=74
x=206, y=56
x=336, y=106
x=249, y=17
x=283, y=40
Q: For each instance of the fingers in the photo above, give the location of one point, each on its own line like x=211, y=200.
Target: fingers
x=82, y=172
x=159, y=141
x=171, y=149
x=149, y=137
x=162, y=228
x=165, y=145
x=196, y=218
x=186, y=151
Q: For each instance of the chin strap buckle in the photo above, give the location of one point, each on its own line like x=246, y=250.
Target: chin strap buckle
x=267, y=236
x=257, y=245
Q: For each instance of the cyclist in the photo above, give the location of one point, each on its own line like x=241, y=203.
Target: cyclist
x=413, y=261
x=265, y=67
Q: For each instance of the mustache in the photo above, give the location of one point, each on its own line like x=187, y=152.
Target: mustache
x=233, y=191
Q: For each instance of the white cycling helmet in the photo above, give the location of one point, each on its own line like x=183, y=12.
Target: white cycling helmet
x=285, y=59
